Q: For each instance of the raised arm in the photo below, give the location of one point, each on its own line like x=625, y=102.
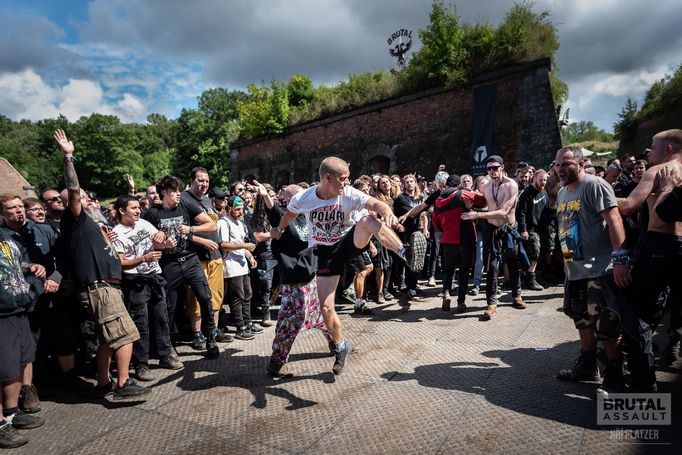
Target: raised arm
x=632, y=203
x=70, y=178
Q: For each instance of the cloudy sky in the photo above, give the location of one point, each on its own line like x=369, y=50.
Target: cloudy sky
x=135, y=57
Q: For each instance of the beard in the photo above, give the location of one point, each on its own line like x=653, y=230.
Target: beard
x=96, y=215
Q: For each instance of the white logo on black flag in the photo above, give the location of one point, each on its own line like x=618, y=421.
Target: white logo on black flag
x=484, y=124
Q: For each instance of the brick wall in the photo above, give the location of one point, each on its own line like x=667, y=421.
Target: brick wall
x=648, y=128
x=414, y=133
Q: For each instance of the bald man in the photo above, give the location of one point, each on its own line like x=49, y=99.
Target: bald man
x=327, y=208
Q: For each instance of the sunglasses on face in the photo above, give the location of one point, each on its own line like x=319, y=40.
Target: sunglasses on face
x=54, y=199
x=493, y=168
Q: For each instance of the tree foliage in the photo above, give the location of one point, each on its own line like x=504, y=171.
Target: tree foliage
x=266, y=111
x=584, y=131
x=663, y=96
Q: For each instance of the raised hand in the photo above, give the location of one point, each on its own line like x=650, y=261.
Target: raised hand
x=65, y=144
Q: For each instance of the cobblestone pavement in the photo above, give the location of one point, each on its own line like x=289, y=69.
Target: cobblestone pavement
x=419, y=381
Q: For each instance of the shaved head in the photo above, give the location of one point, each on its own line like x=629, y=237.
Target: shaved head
x=332, y=165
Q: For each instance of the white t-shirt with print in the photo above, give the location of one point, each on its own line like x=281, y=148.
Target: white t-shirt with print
x=135, y=241
x=329, y=219
x=234, y=261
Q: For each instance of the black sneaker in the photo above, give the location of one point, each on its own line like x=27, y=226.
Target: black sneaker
x=362, y=309
x=255, y=329
x=222, y=337
x=10, y=438
x=143, y=373
x=170, y=362
x=278, y=371
x=130, y=390
x=23, y=421
x=198, y=341
x=244, y=334
x=341, y=356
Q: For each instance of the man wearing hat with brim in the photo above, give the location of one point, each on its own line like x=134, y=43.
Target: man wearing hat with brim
x=501, y=240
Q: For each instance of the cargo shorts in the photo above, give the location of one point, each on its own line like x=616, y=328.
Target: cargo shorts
x=115, y=327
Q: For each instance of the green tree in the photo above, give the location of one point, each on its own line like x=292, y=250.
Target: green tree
x=106, y=151
x=585, y=130
x=300, y=90
x=626, y=127
x=203, y=136
x=266, y=111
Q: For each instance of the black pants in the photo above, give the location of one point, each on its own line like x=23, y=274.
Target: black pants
x=143, y=294
x=240, y=299
x=657, y=267
x=500, y=247
x=457, y=255
x=261, y=284
x=188, y=271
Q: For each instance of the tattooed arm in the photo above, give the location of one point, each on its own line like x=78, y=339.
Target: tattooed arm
x=70, y=177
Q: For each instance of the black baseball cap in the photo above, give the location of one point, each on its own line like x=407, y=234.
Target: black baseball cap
x=217, y=193
x=494, y=159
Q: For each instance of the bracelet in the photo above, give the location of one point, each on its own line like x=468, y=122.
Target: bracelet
x=70, y=158
x=621, y=257
x=191, y=229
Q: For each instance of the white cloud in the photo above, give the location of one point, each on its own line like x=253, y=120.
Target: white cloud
x=25, y=95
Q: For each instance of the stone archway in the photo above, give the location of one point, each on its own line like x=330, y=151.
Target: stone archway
x=379, y=164
x=283, y=177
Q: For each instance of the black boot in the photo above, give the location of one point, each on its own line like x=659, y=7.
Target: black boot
x=584, y=369
x=614, y=380
x=212, y=351
x=532, y=282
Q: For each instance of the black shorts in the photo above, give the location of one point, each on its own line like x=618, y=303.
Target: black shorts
x=17, y=347
x=360, y=263
x=332, y=259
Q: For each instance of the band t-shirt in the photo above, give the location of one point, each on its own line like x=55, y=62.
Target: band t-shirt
x=583, y=233
x=403, y=204
x=235, y=262
x=91, y=255
x=168, y=221
x=135, y=241
x=205, y=205
x=329, y=218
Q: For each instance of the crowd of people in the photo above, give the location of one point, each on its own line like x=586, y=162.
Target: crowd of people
x=128, y=282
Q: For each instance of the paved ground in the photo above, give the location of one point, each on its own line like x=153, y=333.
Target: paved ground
x=420, y=381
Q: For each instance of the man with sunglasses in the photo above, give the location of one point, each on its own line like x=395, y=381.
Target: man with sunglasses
x=501, y=240
x=54, y=205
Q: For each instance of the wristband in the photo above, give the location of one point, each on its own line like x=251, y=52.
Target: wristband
x=621, y=257
x=70, y=158
x=191, y=229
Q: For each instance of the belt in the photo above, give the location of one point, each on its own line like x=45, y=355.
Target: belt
x=184, y=258
x=99, y=285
